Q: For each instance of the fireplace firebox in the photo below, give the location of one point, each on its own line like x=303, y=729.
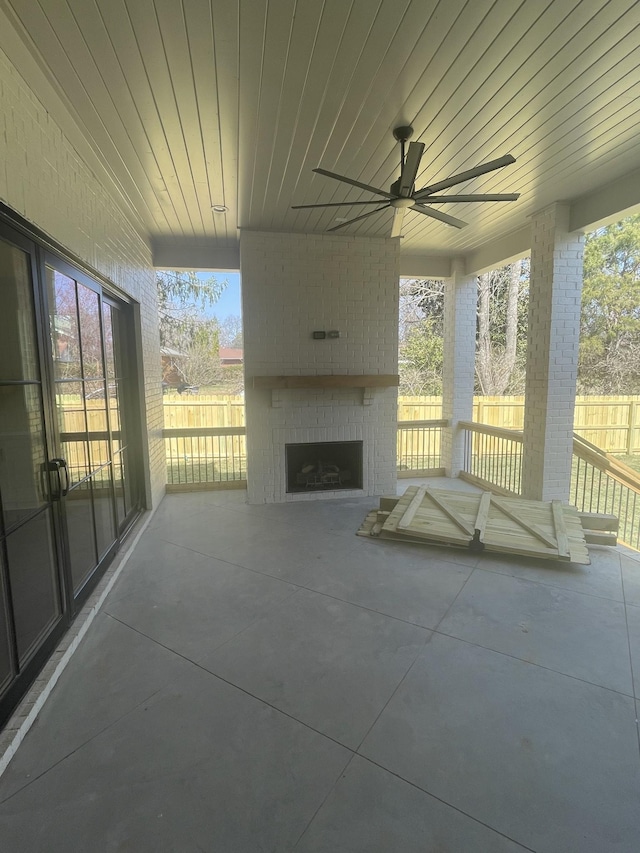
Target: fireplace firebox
x=323, y=466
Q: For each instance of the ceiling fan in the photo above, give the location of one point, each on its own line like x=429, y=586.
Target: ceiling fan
x=403, y=196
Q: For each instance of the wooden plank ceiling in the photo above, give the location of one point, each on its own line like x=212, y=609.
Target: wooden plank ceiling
x=192, y=103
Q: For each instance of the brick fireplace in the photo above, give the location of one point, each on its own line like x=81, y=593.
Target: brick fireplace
x=324, y=466
x=306, y=388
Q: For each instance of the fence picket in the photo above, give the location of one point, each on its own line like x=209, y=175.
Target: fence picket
x=612, y=423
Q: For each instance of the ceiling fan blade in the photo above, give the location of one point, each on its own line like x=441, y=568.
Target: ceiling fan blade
x=437, y=214
x=358, y=218
x=398, y=216
x=465, y=176
x=333, y=204
x=410, y=168
x=461, y=198
x=353, y=183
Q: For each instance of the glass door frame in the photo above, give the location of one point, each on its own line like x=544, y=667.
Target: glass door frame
x=39, y=250
x=24, y=675
x=61, y=265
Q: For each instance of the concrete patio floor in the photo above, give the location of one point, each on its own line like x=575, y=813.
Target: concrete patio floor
x=261, y=679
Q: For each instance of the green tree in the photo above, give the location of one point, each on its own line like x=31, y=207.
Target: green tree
x=610, y=320
x=420, y=336
x=421, y=360
x=192, y=337
x=182, y=298
x=503, y=296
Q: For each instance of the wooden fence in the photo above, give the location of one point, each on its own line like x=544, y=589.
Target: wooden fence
x=611, y=423
x=193, y=411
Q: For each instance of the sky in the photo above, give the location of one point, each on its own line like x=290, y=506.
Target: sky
x=229, y=302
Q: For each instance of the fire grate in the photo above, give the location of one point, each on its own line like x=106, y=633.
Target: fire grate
x=325, y=465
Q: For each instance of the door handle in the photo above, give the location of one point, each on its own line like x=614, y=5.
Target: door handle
x=54, y=466
x=57, y=465
x=61, y=465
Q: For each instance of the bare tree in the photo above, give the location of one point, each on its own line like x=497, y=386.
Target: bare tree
x=499, y=293
x=231, y=331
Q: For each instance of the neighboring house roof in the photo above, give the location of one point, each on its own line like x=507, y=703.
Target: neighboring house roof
x=231, y=354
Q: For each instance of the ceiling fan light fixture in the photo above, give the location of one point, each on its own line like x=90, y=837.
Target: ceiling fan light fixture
x=400, y=203
x=404, y=195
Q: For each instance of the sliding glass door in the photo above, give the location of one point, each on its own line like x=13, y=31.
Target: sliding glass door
x=120, y=358
x=31, y=583
x=82, y=439
x=68, y=439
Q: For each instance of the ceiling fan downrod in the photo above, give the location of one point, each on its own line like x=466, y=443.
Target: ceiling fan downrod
x=403, y=195
x=402, y=134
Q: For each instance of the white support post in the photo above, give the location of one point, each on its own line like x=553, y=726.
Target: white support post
x=460, y=306
x=552, y=354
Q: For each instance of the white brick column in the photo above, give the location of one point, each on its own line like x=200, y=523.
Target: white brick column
x=292, y=285
x=552, y=354
x=460, y=306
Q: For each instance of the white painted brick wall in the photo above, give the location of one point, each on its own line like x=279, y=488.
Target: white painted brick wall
x=293, y=284
x=460, y=308
x=43, y=178
x=552, y=355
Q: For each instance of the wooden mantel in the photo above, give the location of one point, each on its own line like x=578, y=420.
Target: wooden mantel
x=330, y=380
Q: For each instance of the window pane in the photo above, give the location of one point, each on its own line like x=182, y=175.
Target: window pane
x=96, y=406
x=17, y=328
x=108, y=341
x=72, y=424
x=90, y=337
x=34, y=590
x=119, y=473
x=63, y=321
x=103, y=507
x=114, y=409
x=82, y=546
x=22, y=452
x=5, y=656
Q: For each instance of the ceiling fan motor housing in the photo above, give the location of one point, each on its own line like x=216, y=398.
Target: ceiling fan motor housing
x=403, y=195
x=403, y=133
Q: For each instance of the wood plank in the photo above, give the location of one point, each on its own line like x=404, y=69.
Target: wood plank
x=599, y=521
x=483, y=514
x=534, y=529
x=560, y=528
x=391, y=524
x=377, y=528
x=446, y=533
x=369, y=528
x=596, y=537
x=517, y=531
x=478, y=481
x=413, y=507
x=388, y=502
x=450, y=513
x=421, y=472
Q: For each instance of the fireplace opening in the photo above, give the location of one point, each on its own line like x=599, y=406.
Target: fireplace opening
x=325, y=466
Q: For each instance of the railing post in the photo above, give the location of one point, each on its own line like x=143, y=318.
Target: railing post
x=552, y=354
x=460, y=304
x=632, y=423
